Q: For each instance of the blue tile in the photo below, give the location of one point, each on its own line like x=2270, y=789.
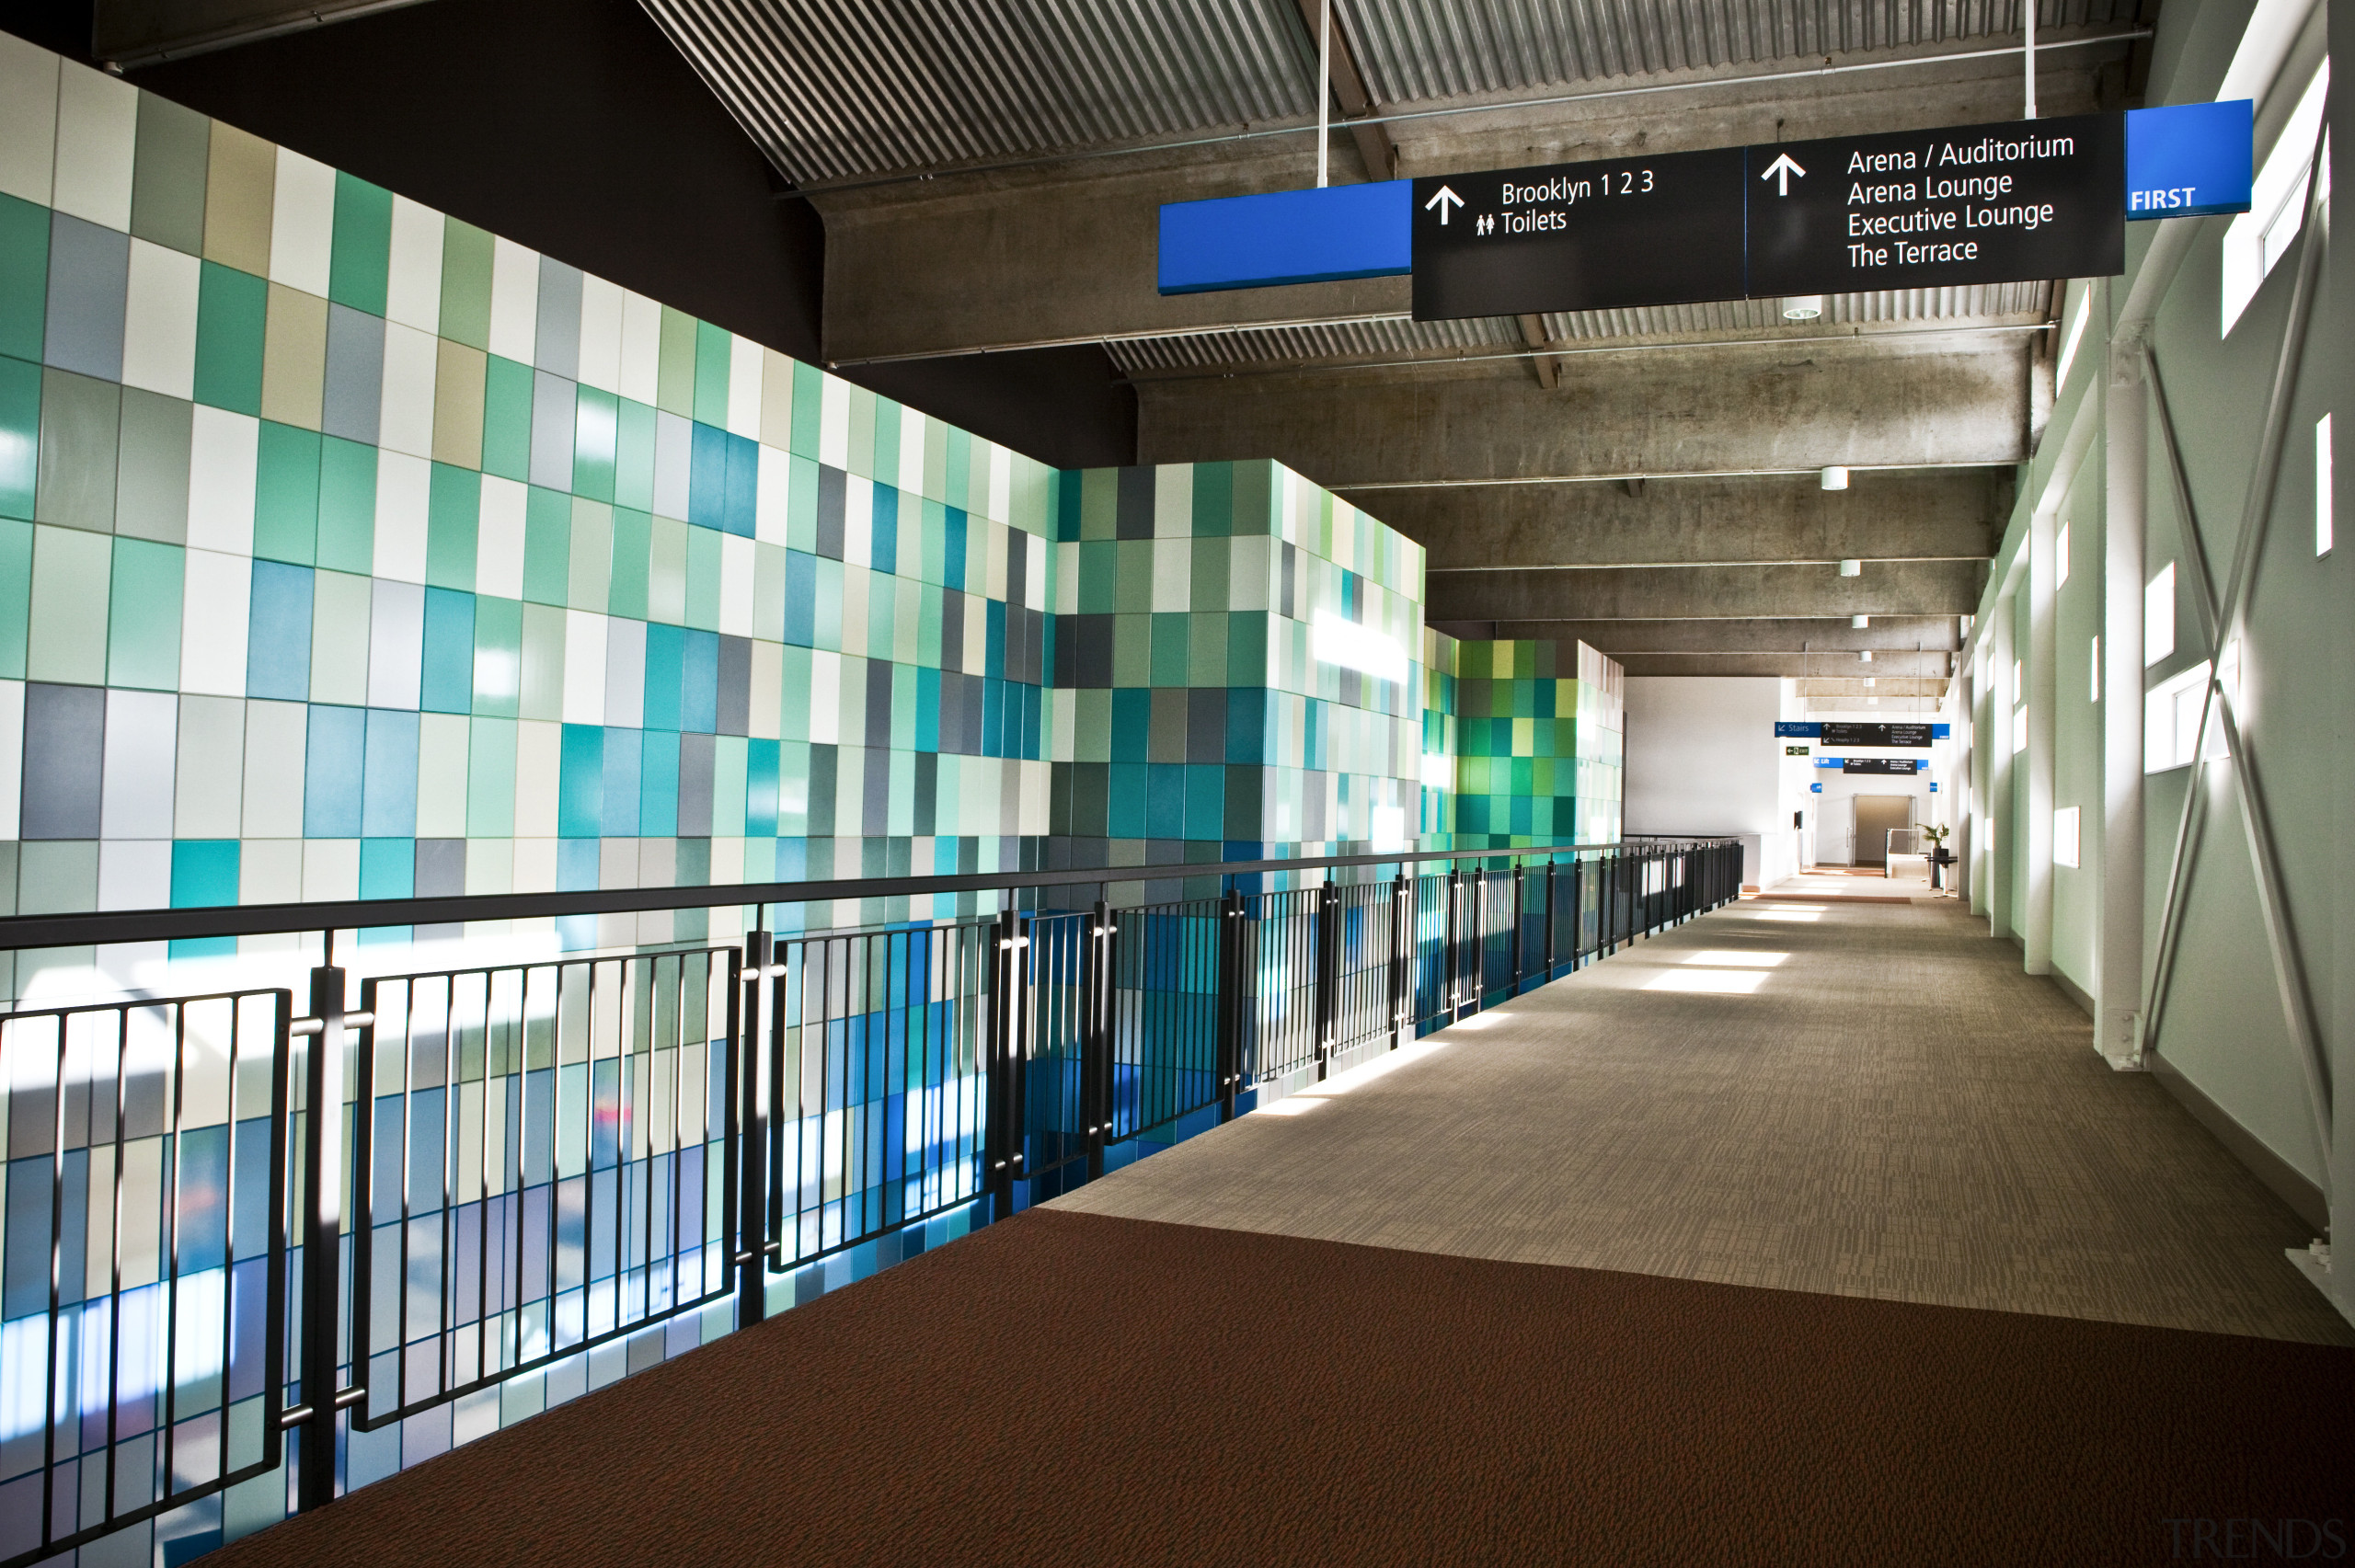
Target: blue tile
x=387, y=868
x=760, y=789
x=332, y=759
x=666, y=652
x=619, y=815
x=355, y=374
x=743, y=481
x=89, y=277
x=204, y=873
x=699, y=683
x=389, y=808
x=708, y=478
x=278, y=635
x=448, y=660
x=581, y=786
x=658, y=810
x=800, y=599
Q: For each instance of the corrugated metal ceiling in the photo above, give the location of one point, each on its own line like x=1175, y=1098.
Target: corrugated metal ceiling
x=838, y=89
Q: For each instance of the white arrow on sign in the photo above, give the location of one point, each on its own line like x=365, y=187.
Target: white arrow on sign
x=1780, y=171
x=1444, y=200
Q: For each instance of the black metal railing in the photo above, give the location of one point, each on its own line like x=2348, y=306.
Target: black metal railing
x=224, y=1220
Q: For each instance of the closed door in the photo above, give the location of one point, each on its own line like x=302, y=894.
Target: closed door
x=1876, y=815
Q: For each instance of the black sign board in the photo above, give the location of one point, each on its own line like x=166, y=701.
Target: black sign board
x=1937, y=209
x=1875, y=735
x=1880, y=765
x=1596, y=236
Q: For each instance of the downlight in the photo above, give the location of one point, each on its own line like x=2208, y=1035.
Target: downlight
x=1802, y=307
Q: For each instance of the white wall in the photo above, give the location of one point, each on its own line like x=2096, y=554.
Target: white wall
x=1702, y=758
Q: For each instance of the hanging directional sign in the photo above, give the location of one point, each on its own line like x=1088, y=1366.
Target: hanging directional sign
x=1873, y=764
x=1834, y=734
x=2000, y=203
x=1579, y=236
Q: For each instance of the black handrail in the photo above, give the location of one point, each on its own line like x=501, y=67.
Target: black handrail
x=93, y=927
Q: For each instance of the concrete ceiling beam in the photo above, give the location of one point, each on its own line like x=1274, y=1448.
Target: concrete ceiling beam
x=1628, y=639
x=1677, y=594
x=1780, y=518
x=1931, y=667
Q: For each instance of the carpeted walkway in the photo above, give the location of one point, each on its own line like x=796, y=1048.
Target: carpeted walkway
x=1862, y=1099
x=1071, y=1388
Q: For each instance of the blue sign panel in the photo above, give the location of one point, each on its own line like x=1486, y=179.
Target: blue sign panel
x=1286, y=236
x=1940, y=731
x=2187, y=160
x=1815, y=788
x=1797, y=731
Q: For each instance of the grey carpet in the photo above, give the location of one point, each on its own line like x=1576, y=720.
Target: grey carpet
x=1896, y=1112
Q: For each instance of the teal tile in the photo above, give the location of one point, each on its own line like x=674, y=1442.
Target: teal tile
x=24, y=276
x=596, y=429
x=507, y=420
x=363, y=247
x=347, y=537
x=287, y=495
x=634, y=455
x=143, y=616
x=16, y=594
x=547, y=545
x=703, y=582
x=714, y=353
x=232, y=308
x=19, y=436
x=498, y=657
x=452, y=524
x=633, y=545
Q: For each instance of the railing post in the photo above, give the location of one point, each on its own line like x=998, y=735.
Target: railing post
x=751, y=1134
x=1229, y=1004
x=323, y=1315
x=1401, y=933
x=1007, y=1066
x=1096, y=1034
x=1519, y=969
x=1328, y=974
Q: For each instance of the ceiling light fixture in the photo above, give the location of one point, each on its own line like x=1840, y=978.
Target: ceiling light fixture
x=1802, y=307
x=1858, y=622
x=1835, y=478
x=1851, y=568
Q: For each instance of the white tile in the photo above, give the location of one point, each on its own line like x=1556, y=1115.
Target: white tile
x=97, y=127
x=302, y=224
x=825, y=699
x=442, y=775
x=736, y=585
x=770, y=498
x=207, y=796
x=340, y=603
x=136, y=797
x=159, y=321
x=911, y=426
x=674, y=461
x=535, y=865
x=601, y=334
x=213, y=622
x=405, y=421
x=413, y=287
x=584, y=667
x=12, y=741
x=1034, y=572
x=277, y=739
x=223, y=449
x=135, y=874
x=395, y=644
x=539, y=767
x=743, y=387
x=625, y=672
x=404, y=495
x=491, y=865
x=499, y=538
x=641, y=361
x=768, y=690
x=27, y=120
x=834, y=422
x=858, y=525
x=270, y=871
x=330, y=870
x=514, y=299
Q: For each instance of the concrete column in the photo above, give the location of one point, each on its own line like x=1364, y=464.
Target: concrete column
x=2118, y=995
x=1996, y=737
x=2036, y=831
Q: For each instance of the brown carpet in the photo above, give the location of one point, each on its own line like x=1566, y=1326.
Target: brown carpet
x=1073, y=1388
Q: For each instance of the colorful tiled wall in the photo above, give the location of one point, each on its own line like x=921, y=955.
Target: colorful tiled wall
x=1537, y=743
x=1234, y=668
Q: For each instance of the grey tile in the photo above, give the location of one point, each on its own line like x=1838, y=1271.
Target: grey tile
x=952, y=629
x=694, y=786
x=441, y=868
x=1132, y=515
x=822, y=796
x=693, y=866
x=1167, y=740
x=875, y=807
x=89, y=277
x=1206, y=724
x=81, y=421
x=927, y=792
x=877, y=733
x=58, y=876
x=736, y=684
x=557, y=345
x=354, y=391
x=675, y=440
x=168, y=175
x=551, y=434
x=150, y=475
x=832, y=487
x=64, y=764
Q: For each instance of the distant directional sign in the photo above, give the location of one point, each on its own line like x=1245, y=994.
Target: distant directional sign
x=1937, y=208
x=1579, y=236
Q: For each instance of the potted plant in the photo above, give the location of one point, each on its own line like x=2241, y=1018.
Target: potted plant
x=1939, y=852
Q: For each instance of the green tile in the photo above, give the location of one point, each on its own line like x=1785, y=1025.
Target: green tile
x=16, y=594
x=807, y=393
x=1206, y=654
x=347, y=506
x=1172, y=647
x=287, y=495
x=24, y=276
x=675, y=370
x=1133, y=592
x=596, y=429
x=1247, y=648
x=1213, y=507
x=703, y=582
x=887, y=440
x=465, y=283
x=1133, y=650
x=801, y=507
x=19, y=436
x=453, y=521
x=633, y=455
x=590, y=566
x=67, y=638
x=498, y=657
x=232, y=311
x=81, y=423
x=713, y=354
x=172, y=148
x=361, y=256
x=507, y=420
x=143, y=616
x=491, y=778
x=625, y=593
x=548, y=546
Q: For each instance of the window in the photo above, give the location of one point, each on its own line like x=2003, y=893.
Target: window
x=2019, y=683
x=2072, y=338
x=2158, y=616
x=2171, y=720
x=2322, y=525
x=2064, y=837
x=2259, y=237
x=2061, y=557
x=2019, y=731
x=2094, y=690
